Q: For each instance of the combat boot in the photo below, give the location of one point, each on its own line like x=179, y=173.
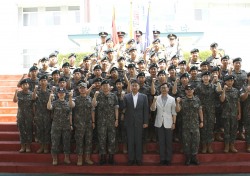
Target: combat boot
x=88, y=160
x=145, y=148
x=79, y=160
x=188, y=160
x=194, y=160
x=27, y=148
x=96, y=149
x=241, y=136
x=232, y=148
x=248, y=148
x=41, y=149
x=125, y=148
x=226, y=149
x=103, y=159
x=54, y=157
x=67, y=159
x=209, y=148
x=204, y=148
x=46, y=148
x=218, y=137
x=111, y=159
x=22, y=150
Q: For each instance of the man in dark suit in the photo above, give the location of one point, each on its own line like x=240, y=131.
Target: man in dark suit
x=136, y=118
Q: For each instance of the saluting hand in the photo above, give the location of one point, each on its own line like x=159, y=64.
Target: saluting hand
x=96, y=93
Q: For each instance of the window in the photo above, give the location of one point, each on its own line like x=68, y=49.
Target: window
x=198, y=14
x=74, y=14
x=52, y=16
x=30, y=16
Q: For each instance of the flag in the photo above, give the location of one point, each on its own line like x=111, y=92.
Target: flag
x=131, y=32
x=114, y=32
x=147, y=33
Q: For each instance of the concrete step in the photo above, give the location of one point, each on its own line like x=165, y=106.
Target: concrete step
x=9, y=136
x=7, y=118
x=8, y=82
x=4, y=89
x=10, y=77
x=8, y=110
x=7, y=95
x=8, y=126
x=7, y=103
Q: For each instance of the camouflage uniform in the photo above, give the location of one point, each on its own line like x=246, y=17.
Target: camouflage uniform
x=42, y=117
x=106, y=121
x=246, y=114
x=190, y=125
x=195, y=82
x=25, y=116
x=33, y=83
x=229, y=114
x=60, y=126
x=207, y=95
x=83, y=124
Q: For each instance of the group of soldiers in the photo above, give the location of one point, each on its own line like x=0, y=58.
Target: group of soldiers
x=84, y=104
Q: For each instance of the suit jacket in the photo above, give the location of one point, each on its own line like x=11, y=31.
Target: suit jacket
x=136, y=117
x=164, y=112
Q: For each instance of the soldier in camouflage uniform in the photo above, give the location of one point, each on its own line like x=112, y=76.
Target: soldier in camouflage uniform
x=84, y=122
x=42, y=114
x=24, y=115
x=231, y=112
x=192, y=120
x=55, y=79
x=61, y=124
x=107, y=104
x=245, y=98
x=194, y=80
x=240, y=78
x=207, y=93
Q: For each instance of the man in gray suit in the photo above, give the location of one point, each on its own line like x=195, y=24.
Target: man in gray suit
x=136, y=118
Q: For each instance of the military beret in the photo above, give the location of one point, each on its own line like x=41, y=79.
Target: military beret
x=228, y=77
x=82, y=84
x=205, y=73
x=24, y=81
x=131, y=41
x=162, y=72
x=97, y=67
x=86, y=58
x=66, y=64
x=72, y=55
x=132, y=49
x=43, y=77
x=92, y=55
x=204, y=63
x=156, y=32
x=121, y=58
x=152, y=54
x=141, y=61
x=33, y=68
x=248, y=74
x=109, y=39
x=61, y=90
x=141, y=74
x=52, y=55
x=131, y=65
x=62, y=79
x=153, y=65
x=193, y=68
x=216, y=68
x=120, y=33
x=55, y=72
x=171, y=67
x=44, y=59
x=77, y=70
x=184, y=75
x=172, y=35
x=189, y=87
x=104, y=58
x=175, y=56
x=118, y=80
x=105, y=82
x=156, y=40
x=109, y=50
x=225, y=57
x=194, y=50
x=182, y=62
x=237, y=59
x=97, y=80
x=137, y=32
x=162, y=60
x=103, y=34
x=113, y=69
x=213, y=45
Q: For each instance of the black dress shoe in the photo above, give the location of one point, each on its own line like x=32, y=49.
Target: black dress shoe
x=188, y=161
x=168, y=163
x=102, y=160
x=162, y=162
x=138, y=162
x=131, y=162
x=194, y=160
x=111, y=159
